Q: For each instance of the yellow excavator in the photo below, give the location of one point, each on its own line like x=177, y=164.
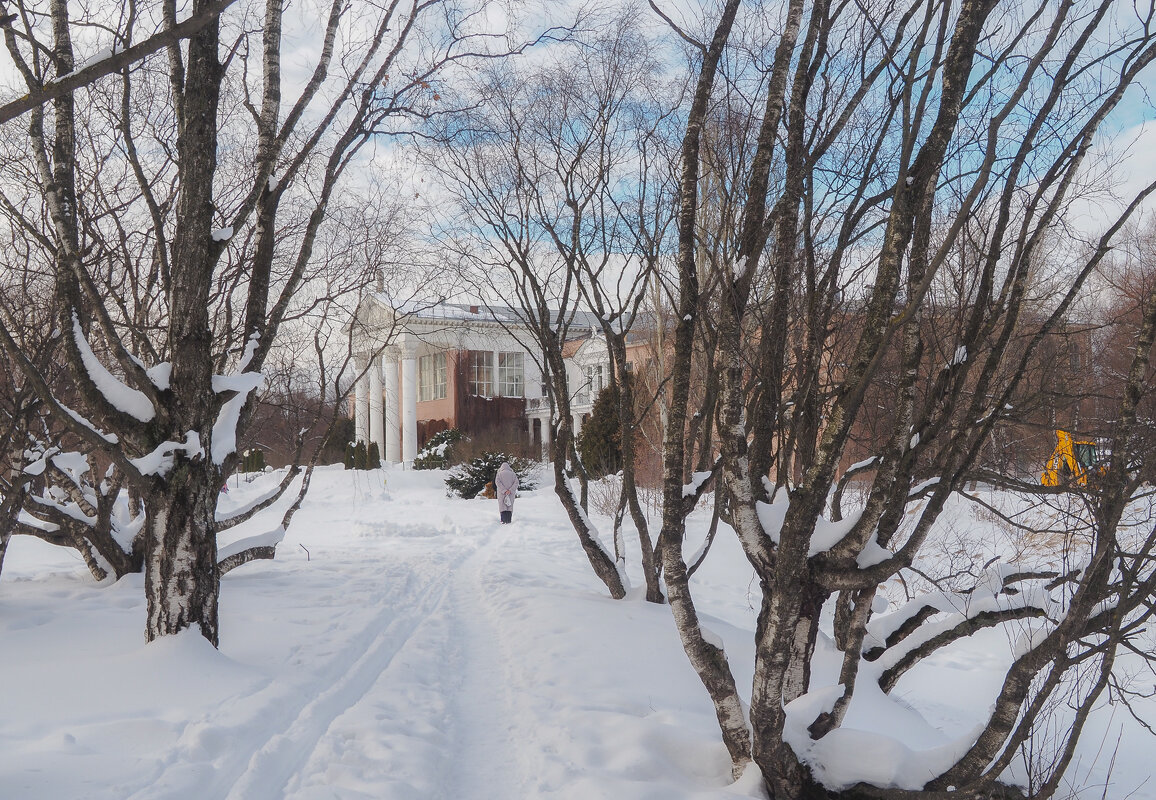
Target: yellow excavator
x=1073, y=461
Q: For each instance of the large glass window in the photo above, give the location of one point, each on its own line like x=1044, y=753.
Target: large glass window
x=510, y=374
x=481, y=373
x=431, y=379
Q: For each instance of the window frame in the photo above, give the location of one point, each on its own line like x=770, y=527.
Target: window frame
x=480, y=373
x=511, y=377
x=432, y=382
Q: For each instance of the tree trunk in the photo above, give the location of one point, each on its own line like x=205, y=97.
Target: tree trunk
x=785, y=641
x=9, y=508
x=627, y=427
x=562, y=447
x=5, y=537
x=181, y=582
x=708, y=660
x=601, y=561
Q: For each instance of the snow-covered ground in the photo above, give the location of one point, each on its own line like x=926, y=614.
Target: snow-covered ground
x=419, y=650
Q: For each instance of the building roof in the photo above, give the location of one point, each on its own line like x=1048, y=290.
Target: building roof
x=458, y=311
x=571, y=346
x=480, y=312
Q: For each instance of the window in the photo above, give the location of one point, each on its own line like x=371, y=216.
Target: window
x=510, y=372
x=431, y=378
x=481, y=373
x=507, y=381
x=594, y=379
x=1086, y=454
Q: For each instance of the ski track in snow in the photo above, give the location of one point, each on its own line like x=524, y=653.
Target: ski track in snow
x=486, y=763
x=274, y=765
x=452, y=676
x=434, y=630
x=295, y=725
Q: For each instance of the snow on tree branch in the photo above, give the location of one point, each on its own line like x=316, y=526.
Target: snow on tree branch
x=26, y=519
x=696, y=481
x=160, y=460
x=160, y=374
x=225, y=428
x=889, y=629
x=592, y=533
x=260, y=503
x=71, y=510
x=120, y=396
x=242, y=551
x=109, y=438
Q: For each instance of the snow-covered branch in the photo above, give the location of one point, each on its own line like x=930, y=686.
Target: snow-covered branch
x=251, y=548
x=260, y=503
x=229, y=417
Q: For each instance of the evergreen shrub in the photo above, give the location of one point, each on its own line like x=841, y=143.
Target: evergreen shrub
x=436, y=452
x=253, y=460
x=600, y=443
x=468, y=480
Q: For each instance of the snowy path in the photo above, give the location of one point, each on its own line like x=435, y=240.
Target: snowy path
x=314, y=727
x=291, y=734
x=420, y=651
x=484, y=761
x=446, y=734
x=452, y=715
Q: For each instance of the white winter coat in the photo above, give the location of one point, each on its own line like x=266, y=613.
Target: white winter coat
x=506, y=487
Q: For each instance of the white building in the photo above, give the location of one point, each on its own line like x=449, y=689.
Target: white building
x=472, y=367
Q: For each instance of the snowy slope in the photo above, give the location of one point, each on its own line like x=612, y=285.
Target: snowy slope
x=419, y=650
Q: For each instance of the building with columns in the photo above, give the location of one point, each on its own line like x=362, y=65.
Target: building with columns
x=471, y=367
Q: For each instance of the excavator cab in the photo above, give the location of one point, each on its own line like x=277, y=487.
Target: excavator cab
x=1072, y=462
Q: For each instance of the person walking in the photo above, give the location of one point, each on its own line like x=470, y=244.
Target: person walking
x=506, y=487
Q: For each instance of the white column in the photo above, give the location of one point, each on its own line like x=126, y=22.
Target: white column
x=409, y=406
x=577, y=425
x=392, y=419
x=361, y=406
x=375, y=419
x=546, y=437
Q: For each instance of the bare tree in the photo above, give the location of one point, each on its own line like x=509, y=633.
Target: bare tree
x=883, y=131
x=557, y=174
x=181, y=220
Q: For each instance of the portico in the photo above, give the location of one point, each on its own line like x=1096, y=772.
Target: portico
x=442, y=366
x=386, y=402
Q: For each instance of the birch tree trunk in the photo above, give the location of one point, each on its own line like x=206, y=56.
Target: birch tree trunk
x=181, y=554
x=561, y=447
x=708, y=660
